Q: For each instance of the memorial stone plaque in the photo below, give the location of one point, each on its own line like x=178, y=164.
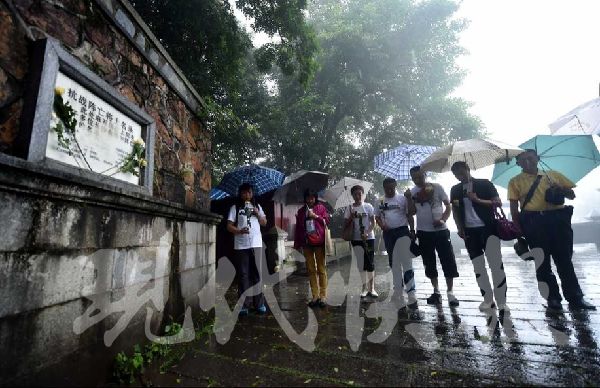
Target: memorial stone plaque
x=108, y=124
x=104, y=136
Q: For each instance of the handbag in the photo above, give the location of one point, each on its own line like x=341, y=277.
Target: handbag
x=505, y=228
x=348, y=231
x=415, y=249
x=315, y=239
x=329, y=248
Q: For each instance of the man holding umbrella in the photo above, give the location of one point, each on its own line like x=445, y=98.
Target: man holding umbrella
x=546, y=224
x=473, y=201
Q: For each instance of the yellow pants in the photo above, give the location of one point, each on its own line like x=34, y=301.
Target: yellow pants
x=317, y=273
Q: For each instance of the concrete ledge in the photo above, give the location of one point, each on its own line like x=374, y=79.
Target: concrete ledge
x=29, y=178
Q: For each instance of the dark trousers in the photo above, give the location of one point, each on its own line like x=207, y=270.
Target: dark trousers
x=403, y=273
x=551, y=231
x=439, y=241
x=368, y=254
x=476, y=242
x=248, y=274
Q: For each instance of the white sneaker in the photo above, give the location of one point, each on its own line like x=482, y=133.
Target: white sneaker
x=364, y=294
x=487, y=305
x=373, y=294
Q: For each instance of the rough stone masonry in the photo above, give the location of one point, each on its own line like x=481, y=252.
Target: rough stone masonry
x=69, y=242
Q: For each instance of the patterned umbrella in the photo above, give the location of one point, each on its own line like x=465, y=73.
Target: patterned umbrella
x=217, y=194
x=397, y=163
x=339, y=195
x=262, y=179
x=477, y=153
x=572, y=155
x=292, y=190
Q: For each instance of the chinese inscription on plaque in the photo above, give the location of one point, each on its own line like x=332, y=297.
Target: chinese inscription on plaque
x=104, y=135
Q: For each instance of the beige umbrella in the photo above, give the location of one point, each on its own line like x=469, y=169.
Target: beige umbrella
x=339, y=195
x=477, y=153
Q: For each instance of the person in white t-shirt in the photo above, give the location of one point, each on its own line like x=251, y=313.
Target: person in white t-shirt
x=473, y=202
x=433, y=210
x=244, y=222
x=362, y=216
x=394, y=216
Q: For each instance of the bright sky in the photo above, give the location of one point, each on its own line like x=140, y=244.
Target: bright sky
x=529, y=62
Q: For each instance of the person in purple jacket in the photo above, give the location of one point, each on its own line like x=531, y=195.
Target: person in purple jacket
x=310, y=238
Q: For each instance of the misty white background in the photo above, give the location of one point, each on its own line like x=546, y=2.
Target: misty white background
x=529, y=62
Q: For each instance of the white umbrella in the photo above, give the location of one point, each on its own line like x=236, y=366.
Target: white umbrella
x=339, y=195
x=583, y=120
x=477, y=153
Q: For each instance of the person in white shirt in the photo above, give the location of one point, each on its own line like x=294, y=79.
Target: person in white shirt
x=362, y=217
x=473, y=202
x=394, y=216
x=433, y=210
x=244, y=222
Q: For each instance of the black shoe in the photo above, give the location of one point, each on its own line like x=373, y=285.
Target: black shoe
x=554, y=304
x=321, y=303
x=314, y=303
x=582, y=304
x=435, y=298
x=413, y=306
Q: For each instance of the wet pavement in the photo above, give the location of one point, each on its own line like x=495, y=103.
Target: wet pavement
x=432, y=345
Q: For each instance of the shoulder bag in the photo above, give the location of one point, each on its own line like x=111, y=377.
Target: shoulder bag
x=521, y=247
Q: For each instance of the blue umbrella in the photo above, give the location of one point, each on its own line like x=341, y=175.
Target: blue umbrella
x=572, y=155
x=217, y=194
x=396, y=163
x=262, y=179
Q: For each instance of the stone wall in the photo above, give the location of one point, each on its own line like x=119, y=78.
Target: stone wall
x=110, y=39
x=74, y=247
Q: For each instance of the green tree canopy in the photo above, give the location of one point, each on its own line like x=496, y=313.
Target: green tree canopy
x=387, y=72
x=340, y=82
x=215, y=53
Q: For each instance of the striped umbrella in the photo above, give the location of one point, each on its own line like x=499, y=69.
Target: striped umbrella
x=397, y=163
x=262, y=179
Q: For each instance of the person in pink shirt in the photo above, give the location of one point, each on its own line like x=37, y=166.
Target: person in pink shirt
x=311, y=220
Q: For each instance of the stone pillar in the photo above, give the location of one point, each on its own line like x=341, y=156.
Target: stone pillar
x=275, y=248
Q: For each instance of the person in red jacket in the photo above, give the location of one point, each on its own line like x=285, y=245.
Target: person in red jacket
x=310, y=238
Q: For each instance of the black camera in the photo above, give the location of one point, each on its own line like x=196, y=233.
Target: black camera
x=555, y=195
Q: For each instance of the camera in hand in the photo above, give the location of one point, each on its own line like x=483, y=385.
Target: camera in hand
x=248, y=209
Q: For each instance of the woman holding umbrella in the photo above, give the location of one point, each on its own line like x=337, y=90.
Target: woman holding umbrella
x=311, y=221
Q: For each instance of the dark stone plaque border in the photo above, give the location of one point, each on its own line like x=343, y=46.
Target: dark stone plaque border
x=47, y=59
